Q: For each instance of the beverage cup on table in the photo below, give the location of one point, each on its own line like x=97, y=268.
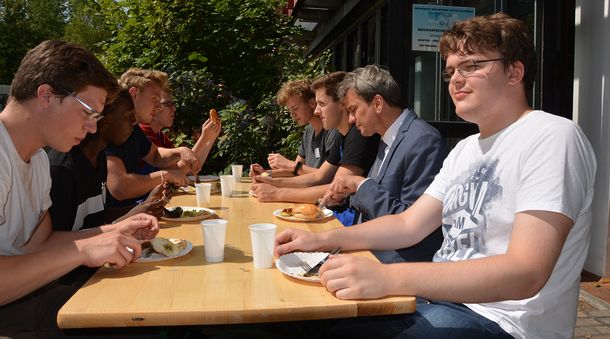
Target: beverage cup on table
x=263, y=238
x=202, y=191
x=227, y=182
x=214, y=231
x=237, y=171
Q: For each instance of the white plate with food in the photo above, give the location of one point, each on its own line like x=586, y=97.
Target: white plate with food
x=203, y=178
x=289, y=264
x=303, y=212
x=188, y=213
x=162, y=249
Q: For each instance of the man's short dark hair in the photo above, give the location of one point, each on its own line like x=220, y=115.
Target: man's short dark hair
x=494, y=33
x=330, y=82
x=62, y=65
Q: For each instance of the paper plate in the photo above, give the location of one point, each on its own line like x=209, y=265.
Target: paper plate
x=195, y=218
x=325, y=214
x=289, y=264
x=156, y=257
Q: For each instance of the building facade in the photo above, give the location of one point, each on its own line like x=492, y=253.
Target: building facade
x=571, y=39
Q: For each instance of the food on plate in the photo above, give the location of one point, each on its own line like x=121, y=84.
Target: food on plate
x=194, y=213
x=214, y=115
x=187, y=189
x=302, y=211
x=179, y=212
x=172, y=212
x=169, y=247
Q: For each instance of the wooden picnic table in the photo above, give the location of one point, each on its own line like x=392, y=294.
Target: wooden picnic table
x=190, y=291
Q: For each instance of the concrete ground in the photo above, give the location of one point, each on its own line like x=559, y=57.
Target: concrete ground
x=593, y=318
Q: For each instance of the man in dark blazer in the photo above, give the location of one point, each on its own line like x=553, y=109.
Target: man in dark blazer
x=410, y=154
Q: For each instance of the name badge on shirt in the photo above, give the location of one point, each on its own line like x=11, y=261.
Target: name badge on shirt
x=316, y=152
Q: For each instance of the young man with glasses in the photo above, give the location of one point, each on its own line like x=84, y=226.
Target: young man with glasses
x=55, y=95
x=514, y=202
x=125, y=183
x=164, y=118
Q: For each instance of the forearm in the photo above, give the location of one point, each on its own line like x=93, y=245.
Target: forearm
x=165, y=157
x=202, y=149
x=26, y=273
x=384, y=233
x=131, y=185
x=302, y=195
x=488, y=279
x=301, y=181
x=307, y=169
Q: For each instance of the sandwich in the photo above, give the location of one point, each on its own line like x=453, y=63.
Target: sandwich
x=302, y=211
x=169, y=247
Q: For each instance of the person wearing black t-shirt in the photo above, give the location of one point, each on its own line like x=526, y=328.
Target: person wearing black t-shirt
x=78, y=189
x=125, y=185
x=353, y=156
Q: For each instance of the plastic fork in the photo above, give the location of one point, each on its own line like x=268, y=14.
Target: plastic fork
x=309, y=270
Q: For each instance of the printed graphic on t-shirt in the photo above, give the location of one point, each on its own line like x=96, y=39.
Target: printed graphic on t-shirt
x=465, y=212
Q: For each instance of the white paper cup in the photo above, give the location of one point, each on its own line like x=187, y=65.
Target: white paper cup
x=237, y=171
x=214, y=231
x=203, y=190
x=263, y=239
x=226, y=185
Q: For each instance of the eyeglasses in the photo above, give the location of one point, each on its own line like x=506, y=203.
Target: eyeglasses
x=91, y=113
x=465, y=68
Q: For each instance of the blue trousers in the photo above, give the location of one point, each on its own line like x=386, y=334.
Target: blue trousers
x=431, y=320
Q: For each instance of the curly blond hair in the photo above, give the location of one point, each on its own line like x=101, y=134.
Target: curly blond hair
x=301, y=88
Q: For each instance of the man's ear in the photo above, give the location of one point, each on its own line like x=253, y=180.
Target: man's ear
x=313, y=103
x=516, y=72
x=378, y=103
x=44, y=93
x=133, y=91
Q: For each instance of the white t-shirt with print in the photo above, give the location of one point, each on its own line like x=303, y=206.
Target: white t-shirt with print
x=540, y=162
x=24, y=194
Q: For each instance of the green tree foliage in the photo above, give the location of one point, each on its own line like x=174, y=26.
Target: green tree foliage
x=24, y=24
x=86, y=25
x=223, y=54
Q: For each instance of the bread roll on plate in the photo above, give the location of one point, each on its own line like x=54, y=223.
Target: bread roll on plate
x=169, y=247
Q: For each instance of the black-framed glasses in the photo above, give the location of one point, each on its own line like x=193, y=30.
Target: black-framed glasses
x=465, y=68
x=91, y=113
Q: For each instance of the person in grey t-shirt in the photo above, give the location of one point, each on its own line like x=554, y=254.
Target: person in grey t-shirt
x=299, y=100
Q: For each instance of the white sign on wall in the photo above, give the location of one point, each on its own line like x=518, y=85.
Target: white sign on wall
x=430, y=21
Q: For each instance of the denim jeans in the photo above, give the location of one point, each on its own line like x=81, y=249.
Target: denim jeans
x=431, y=320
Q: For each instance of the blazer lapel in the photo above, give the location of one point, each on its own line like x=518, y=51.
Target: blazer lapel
x=399, y=138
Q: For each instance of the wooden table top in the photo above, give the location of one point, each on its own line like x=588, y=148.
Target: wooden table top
x=190, y=291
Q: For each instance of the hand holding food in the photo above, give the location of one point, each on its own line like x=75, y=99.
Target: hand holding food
x=214, y=116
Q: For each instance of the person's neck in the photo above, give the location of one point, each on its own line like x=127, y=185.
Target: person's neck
x=23, y=128
x=155, y=126
x=316, y=124
x=344, y=127
x=387, y=118
x=91, y=148
x=493, y=123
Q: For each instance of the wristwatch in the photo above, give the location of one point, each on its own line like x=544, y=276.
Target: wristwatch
x=297, y=167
